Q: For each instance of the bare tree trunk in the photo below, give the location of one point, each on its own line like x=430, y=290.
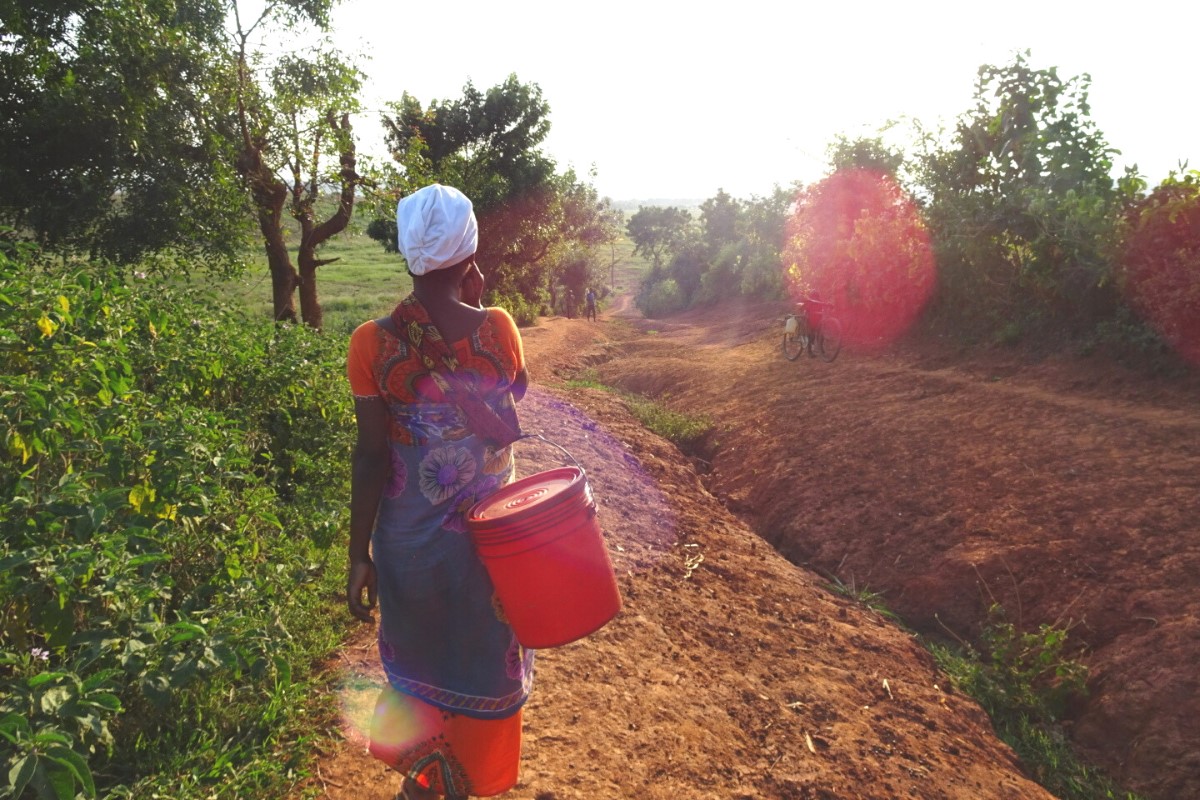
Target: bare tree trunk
x=612, y=269
x=284, y=281
x=310, y=304
x=313, y=236
x=283, y=275
x=269, y=198
x=269, y=195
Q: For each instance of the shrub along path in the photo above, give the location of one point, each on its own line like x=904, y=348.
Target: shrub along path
x=730, y=673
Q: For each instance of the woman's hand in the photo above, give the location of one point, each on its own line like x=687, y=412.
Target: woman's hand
x=362, y=576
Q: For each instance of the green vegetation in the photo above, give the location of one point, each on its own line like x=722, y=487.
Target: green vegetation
x=540, y=230
x=148, y=133
x=1027, y=172
x=661, y=299
x=656, y=232
x=360, y=282
x=687, y=432
x=292, y=141
x=1024, y=681
x=588, y=379
x=170, y=499
x=734, y=247
x=1008, y=229
x=862, y=595
x=115, y=130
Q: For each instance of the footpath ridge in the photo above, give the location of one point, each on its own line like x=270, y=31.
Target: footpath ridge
x=730, y=673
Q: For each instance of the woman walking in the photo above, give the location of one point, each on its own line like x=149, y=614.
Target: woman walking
x=434, y=385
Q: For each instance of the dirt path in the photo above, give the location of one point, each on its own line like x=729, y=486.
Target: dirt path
x=1068, y=491
x=730, y=673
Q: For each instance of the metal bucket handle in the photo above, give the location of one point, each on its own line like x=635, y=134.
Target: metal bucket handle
x=564, y=450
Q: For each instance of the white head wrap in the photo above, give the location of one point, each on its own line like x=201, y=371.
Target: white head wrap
x=435, y=228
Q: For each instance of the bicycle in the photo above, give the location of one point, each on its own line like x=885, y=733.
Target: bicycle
x=799, y=335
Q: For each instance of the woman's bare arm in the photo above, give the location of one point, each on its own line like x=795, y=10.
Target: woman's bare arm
x=370, y=465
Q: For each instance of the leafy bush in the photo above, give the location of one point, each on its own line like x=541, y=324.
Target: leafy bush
x=716, y=281
x=660, y=298
x=1024, y=681
x=1021, y=204
x=524, y=312
x=1159, y=270
x=168, y=493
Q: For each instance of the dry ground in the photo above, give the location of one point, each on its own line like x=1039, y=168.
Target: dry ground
x=1065, y=491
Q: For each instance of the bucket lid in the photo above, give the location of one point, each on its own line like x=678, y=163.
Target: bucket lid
x=526, y=495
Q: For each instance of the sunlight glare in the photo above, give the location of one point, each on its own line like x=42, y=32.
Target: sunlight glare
x=857, y=241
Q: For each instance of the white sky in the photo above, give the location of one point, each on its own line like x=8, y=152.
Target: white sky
x=674, y=100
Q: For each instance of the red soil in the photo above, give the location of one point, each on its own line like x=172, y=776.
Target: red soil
x=1067, y=491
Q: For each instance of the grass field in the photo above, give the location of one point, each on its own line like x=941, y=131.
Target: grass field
x=366, y=282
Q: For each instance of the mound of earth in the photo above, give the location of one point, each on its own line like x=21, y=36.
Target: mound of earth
x=731, y=671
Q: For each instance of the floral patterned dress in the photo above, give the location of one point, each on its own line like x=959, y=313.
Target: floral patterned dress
x=442, y=638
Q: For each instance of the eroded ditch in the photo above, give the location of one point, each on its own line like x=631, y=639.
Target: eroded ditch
x=941, y=504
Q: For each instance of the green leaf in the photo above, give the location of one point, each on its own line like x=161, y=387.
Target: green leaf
x=184, y=673
x=186, y=631
x=15, y=728
x=156, y=689
x=21, y=773
x=77, y=767
x=43, y=738
x=97, y=679
x=7, y=565
x=55, y=699
x=109, y=702
x=148, y=558
x=96, y=514
x=283, y=670
x=59, y=779
x=44, y=677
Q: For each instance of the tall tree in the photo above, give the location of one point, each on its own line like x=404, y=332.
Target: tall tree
x=488, y=144
x=295, y=139
x=656, y=232
x=764, y=226
x=720, y=218
x=864, y=152
x=116, y=140
x=1021, y=202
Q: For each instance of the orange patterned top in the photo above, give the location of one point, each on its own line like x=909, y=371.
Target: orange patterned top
x=383, y=365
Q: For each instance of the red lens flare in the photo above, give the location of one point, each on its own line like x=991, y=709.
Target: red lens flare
x=1162, y=251
x=856, y=240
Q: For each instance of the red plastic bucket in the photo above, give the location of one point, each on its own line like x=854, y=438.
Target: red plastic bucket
x=541, y=544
